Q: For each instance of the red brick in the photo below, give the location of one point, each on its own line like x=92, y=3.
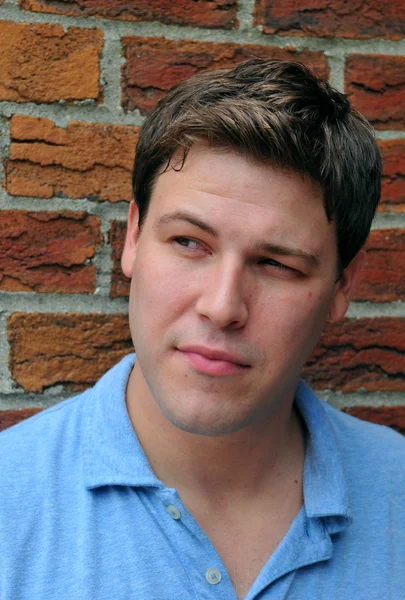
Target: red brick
x=359, y=354
x=376, y=86
x=332, y=18
x=84, y=160
x=48, y=251
x=393, y=176
x=383, y=279
x=12, y=417
x=203, y=13
x=120, y=284
x=391, y=416
x=70, y=349
x=44, y=63
x=154, y=65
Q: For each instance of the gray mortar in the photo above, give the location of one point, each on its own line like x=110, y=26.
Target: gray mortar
x=56, y=394
x=103, y=262
x=62, y=113
x=6, y=385
x=371, y=310
x=111, y=75
x=337, y=67
x=390, y=135
x=388, y=221
x=245, y=15
x=369, y=399
x=4, y=143
x=30, y=302
x=23, y=400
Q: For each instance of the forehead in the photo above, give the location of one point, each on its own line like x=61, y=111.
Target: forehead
x=238, y=195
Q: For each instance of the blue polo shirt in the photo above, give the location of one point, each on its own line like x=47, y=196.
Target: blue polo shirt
x=82, y=515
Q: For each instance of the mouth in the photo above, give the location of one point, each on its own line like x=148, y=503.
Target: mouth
x=212, y=361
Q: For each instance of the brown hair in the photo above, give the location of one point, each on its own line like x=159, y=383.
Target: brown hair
x=278, y=112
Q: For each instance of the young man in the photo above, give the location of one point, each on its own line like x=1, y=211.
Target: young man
x=205, y=468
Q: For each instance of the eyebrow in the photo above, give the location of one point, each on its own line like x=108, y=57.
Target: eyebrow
x=262, y=247
x=179, y=215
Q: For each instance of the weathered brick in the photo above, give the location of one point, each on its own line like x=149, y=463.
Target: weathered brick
x=44, y=63
x=391, y=416
x=332, y=18
x=154, y=65
x=84, y=160
x=383, y=278
x=376, y=86
x=12, y=417
x=48, y=251
x=359, y=354
x=70, y=349
x=393, y=176
x=120, y=284
x=203, y=13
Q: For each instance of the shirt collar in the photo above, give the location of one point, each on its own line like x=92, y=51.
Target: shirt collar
x=325, y=484
x=112, y=454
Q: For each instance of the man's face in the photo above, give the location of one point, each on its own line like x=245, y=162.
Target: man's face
x=233, y=278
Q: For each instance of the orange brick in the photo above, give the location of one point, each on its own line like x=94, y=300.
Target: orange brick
x=376, y=86
x=12, y=417
x=70, y=349
x=154, y=65
x=44, y=63
x=204, y=13
x=393, y=176
x=119, y=283
x=48, y=251
x=383, y=277
x=361, y=353
x=390, y=416
x=332, y=18
x=84, y=160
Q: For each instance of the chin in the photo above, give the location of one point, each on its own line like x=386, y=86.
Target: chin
x=205, y=425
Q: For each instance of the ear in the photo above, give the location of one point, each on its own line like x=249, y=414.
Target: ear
x=345, y=286
x=131, y=241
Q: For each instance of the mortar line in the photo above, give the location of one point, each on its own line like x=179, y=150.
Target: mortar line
x=114, y=28
x=19, y=399
x=245, y=15
x=367, y=399
x=6, y=384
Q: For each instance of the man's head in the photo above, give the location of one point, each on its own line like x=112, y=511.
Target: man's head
x=242, y=180
x=274, y=112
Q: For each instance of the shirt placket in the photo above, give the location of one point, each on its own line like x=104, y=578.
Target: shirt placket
x=196, y=553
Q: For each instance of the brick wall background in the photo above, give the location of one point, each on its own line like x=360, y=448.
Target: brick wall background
x=76, y=80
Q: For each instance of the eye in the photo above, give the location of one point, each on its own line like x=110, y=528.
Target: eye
x=276, y=266
x=189, y=246
x=186, y=242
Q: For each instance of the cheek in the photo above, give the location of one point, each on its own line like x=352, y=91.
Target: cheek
x=158, y=290
x=290, y=320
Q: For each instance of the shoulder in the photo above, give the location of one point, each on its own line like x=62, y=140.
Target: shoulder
x=35, y=449
x=369, y=451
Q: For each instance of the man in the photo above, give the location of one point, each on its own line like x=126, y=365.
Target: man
x=205, y=468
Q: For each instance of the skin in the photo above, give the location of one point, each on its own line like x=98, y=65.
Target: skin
x=192, y=287
x=239, y=257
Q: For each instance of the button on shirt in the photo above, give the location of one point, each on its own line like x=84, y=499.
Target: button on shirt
x=82, y=514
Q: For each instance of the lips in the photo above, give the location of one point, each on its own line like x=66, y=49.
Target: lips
x=213, y=361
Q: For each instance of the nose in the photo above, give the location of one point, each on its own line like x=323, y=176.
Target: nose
x=223, y=298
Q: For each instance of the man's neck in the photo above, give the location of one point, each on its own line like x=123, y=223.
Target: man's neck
x=242, y=465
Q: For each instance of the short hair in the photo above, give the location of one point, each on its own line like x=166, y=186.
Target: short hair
x=276, y=112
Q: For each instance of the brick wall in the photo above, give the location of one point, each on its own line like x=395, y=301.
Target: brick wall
x=76, y=79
